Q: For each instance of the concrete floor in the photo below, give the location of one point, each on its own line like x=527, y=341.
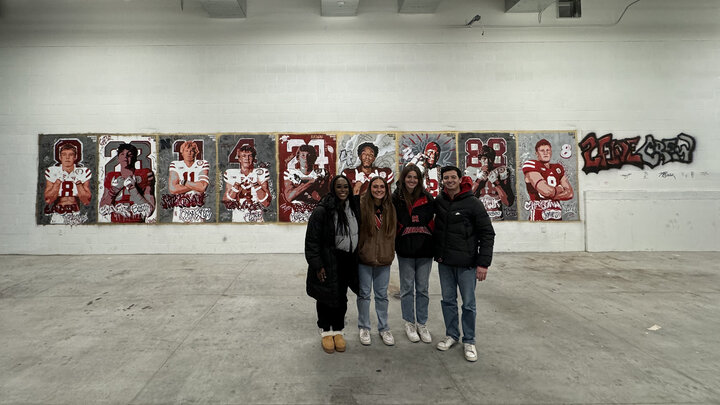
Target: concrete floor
x=552, y=328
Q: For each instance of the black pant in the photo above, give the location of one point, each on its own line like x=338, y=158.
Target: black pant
x=333, y=316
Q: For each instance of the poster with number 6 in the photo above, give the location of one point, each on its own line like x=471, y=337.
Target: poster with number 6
x=489, y=160
x=547, y=175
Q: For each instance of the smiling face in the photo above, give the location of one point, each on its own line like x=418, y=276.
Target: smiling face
x=367, y=157
x=377, y=189
x=342, y=189
x=411, y=181
x=451, y=181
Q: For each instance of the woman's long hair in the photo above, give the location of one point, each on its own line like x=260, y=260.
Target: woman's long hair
x=334, y=203
x=410, y=198
x=367, y=210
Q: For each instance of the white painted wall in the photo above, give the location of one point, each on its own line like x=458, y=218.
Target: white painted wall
x=146, y=67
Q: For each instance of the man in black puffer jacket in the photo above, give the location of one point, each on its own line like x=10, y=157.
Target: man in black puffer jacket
x=463, y=239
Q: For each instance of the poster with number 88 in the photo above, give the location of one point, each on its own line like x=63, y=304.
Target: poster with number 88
x=489, y=160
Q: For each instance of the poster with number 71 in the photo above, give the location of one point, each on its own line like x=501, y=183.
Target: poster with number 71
x=548, y=176
x=488, y=158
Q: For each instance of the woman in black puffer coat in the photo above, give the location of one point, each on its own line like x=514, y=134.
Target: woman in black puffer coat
x=414, y=247
x=331, y=243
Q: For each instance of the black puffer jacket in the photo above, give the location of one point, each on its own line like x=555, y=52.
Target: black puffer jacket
x=415, y=226
x=320, y=253
x=464, y=235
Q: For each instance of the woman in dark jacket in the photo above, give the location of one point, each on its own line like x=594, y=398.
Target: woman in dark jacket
x=331, y=242
x=414, y=247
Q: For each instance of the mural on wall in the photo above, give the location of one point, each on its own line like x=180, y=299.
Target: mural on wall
x=247, y=166
x=549, y=174
x=307, y=164
x=126, y=179
x=186, y=179
x=66, y=180
x=367, y=155
x=606, y=153
x=489, y=160
x=430, y=152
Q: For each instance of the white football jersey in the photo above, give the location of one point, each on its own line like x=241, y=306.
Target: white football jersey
x=193, y=173
x=257, y=175
x=69, y=180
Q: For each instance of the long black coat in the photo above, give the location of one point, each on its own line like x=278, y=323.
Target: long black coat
x=320, y=253
x=415, y=224
x=464, y=235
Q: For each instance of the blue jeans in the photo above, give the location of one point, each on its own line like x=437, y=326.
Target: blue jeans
x=414, y=280
x=452, y=279
x=377, y=279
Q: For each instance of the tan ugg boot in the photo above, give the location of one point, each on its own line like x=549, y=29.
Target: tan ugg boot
x=340, y=344
x=328, y=344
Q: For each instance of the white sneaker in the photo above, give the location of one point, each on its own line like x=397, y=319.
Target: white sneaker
x=411, y=332
x=424, y=333
x=446, y=343
x=470, y=352
x=365, y=337
x=387, y=338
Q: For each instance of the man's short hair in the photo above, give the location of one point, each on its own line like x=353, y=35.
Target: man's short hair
x=312, y=154
x=541, y=143
x=187, y=145
x=246, y=147
x=130, y=148
x=68, y=146
x=368, y=145
x=446, y=169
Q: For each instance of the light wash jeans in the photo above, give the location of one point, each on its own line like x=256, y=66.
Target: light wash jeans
x=452, y=279
x=377, y=279
x=414, y=280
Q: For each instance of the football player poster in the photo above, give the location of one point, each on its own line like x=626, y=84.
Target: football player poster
x=186, y=179
x=126, y=179
x=489, y=160
x=429, y=152
x=307, y=165
x=247, y=173
x=66, y=179
x=548, y=176
x=367, y=155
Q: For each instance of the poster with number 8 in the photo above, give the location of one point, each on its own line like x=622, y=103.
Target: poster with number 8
x=489, y=160
x=548, y=176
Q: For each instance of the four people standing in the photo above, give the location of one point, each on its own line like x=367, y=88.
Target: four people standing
x=455, y=229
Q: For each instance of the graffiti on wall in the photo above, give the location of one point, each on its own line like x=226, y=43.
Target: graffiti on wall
x=606, y=153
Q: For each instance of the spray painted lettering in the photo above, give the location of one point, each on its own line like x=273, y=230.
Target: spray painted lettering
x=606, y=153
